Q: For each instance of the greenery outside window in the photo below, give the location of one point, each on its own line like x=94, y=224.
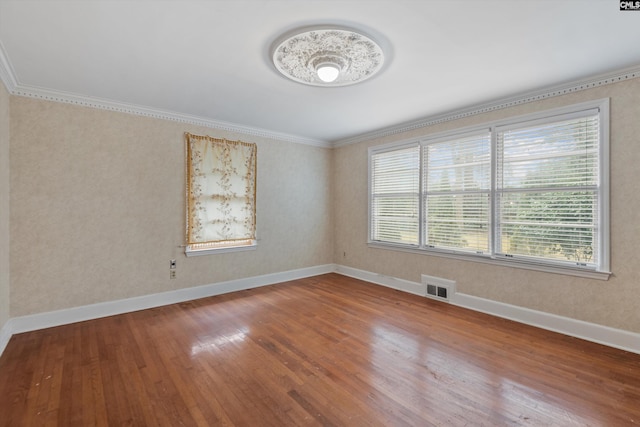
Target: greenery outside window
x=547, y=189
x=395, y=195
x=529, y=191
x=456, y=192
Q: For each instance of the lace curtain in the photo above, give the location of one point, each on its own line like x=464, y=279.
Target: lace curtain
x=221, y=193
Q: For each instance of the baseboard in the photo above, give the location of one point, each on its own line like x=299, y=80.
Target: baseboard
x=616, y=338
x=94, y=311
x=5, y=335
x=380, y=279
x=612, y=337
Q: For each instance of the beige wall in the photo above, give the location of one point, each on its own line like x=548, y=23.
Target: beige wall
x=4, y=206
x=612, y=303
x=97, y=208
x=97, y=212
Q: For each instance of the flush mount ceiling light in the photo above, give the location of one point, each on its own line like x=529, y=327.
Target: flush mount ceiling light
x=327, y=56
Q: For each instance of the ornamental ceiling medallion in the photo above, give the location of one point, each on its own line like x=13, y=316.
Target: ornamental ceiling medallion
x=327, y=56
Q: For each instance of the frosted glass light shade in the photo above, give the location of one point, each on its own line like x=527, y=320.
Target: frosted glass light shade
x=328, y=72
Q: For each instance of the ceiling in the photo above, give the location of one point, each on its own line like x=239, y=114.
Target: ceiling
x=210, y=60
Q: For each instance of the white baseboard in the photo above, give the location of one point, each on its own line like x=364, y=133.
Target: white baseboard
x=388, y=281
x=617, y=338
x=34, y=322
x=612, y=337
x=5, y=335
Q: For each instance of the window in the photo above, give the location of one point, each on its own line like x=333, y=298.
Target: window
x=395, y=195
x=221, y=195
x=530, y=191
x=456, y=197
x=547, y=189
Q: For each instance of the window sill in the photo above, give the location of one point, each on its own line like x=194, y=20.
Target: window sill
x=213, y=251
x=579, y=272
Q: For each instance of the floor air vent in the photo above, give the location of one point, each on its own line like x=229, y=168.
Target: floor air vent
x=438, y=288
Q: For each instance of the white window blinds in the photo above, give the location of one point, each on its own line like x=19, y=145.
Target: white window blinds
x=457, y=183
x=395, y=195
x=531, y=191
x=547, y=189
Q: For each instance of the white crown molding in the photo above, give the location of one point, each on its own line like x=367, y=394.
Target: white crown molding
x=8, y=77
x=6, y=71
x=498, y=104
x=121, y=107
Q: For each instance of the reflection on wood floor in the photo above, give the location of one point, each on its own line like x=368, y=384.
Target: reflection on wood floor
x=326, y=350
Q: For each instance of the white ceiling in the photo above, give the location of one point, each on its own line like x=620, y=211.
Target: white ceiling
x=210, y=59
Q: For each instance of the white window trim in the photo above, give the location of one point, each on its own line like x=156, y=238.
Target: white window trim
x=381, y=149
x=601, y=273
x=198, y=252
x=192, y=249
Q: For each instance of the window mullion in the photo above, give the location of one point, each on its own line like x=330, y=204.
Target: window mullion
x=422, y=200
x=494, y=224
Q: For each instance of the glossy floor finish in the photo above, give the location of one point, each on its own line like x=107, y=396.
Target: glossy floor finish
x=327, y=350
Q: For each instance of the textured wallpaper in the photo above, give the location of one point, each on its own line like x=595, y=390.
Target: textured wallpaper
x=97, y=208
x=4, y=205
x=612, y=303
x=97, y=211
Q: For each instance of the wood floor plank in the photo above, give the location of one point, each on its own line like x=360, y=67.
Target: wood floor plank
x=322, y=351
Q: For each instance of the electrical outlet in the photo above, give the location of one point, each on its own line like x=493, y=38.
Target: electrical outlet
x=172, y=264
x=172, y=274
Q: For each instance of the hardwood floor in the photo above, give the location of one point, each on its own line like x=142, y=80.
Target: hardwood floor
x=327, y=350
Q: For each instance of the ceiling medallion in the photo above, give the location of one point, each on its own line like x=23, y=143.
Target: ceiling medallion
x=327, y=56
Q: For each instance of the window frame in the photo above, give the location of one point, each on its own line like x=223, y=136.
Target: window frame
x=600, y=271
x=389, y=148
x=222, y=246
x=425, y=193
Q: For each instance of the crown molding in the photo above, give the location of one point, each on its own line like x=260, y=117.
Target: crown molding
x=121, y=107
x=498, y=104
x=7, y=75
x=6, y=71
